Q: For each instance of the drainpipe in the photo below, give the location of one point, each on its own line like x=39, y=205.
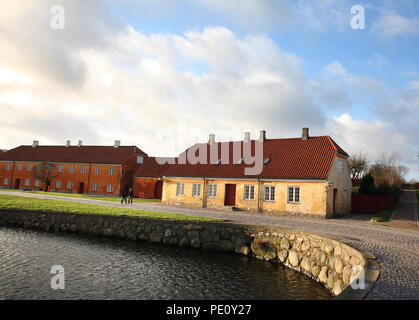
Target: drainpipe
x=88, y=177
x=204, y=200
x=259, y=209
x=13, y=171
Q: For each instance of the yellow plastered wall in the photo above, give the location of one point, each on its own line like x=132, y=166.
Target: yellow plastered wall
x=343, y=183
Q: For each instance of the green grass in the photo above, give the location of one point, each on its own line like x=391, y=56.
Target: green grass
x=89, y=196
x=355, y=189
x=47, y=205
x=382, y=216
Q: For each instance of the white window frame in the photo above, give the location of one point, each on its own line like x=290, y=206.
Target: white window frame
x=180, y=189
x=37, y=183
x=19, y=167
x=71, y=168
x=249, y=192
x=69, y=185
x=269, y=193
x=109, y=188
x=6, y=181
x=212, y=190
x=83, y=169
x=111, y=171
x=29, y=167
x=196, y=190
x=58, y=184
x=27, y=182
x=97, y=170
x=293, y=198
x=95, y=186
x=60, y=168
x=8, y=166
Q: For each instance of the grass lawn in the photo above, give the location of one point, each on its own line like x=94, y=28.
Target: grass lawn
x=382, y=216
x=35, y=204
x=90, y=196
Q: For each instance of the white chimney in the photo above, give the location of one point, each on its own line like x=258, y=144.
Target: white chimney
x=35, y=143
x=247, y=137
x=262, y=135
x=68, y=143
x=305, y=135
x=211, y=140
x=80, y=143
x=117, y=144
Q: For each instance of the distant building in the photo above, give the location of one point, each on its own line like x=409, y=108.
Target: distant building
x=81, y=169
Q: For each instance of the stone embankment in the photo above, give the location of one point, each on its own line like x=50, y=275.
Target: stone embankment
x=324, y=260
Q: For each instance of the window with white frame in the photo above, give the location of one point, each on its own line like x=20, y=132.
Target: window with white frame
x=29, y=167
x=71, y=169
x=97, y=170
x=19, y=167
x=69, y=185
x=111, y=171
x=95, y=187
x=27, y=182
x=249, y=192
x=294, y=194
x=196, y=190
x=58, y=184
x=60, y=168
x=6, y=181
x=269, y=194
x=37, y=183
x=340, y=166
x=109, y=188
x=212, y=191
x=83, y=169
x=180, y=189
x=8, y=166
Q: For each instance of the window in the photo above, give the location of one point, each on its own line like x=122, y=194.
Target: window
x=249, y=192
x=95, y=187
x=19, y=167
x=27, y=182
x=83, y=169
x=111, y=171
x=269, y=193
x=97, y=170
x=58, y=184
x=340, y=167
x=37, y=183
x=196, y=190
x=109, y=188
x=71, y=168
x=60, y=168
x=69, y=185
x=140, y=159
x=212, y=191
x=8, y=167
x=6, y=181
x=29, y=167
x=294, y=194
x=180, y=189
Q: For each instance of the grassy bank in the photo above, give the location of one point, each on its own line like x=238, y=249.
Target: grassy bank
x=382, y=216
x=46, y=205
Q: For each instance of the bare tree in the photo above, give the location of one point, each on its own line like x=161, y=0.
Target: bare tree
x=44, y=172
x=387, y=172
x=358, y=165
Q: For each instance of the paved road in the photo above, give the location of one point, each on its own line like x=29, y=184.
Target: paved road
x=397, y=250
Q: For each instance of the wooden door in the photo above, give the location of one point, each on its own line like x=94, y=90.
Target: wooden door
x=230, y=195
x=158, y=189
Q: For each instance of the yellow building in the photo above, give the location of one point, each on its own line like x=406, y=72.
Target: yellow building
x=307, y=175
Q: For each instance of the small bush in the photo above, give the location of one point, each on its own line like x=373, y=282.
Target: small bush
x=367, y=185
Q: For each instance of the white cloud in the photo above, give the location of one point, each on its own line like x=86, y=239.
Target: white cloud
x=392, y=25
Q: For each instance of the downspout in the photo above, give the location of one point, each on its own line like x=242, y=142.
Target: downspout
x=88, y=177
x=259, y=209
x=13, y=171
x=204, y=200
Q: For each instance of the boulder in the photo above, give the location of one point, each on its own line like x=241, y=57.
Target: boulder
x=285, y=244
x=323, y=275
x=315, y=271
x=184, y=242
x=338, y=265
x=306, y=264
x=293, y=258
x=337, y=287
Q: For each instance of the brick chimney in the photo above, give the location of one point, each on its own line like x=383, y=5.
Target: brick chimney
x=35, y=143
x=211, y=139
x=262, y=135
x=305, y=135
x=247, y=137
x=117, y=144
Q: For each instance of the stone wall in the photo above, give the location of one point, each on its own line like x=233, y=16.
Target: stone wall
x=324, y=260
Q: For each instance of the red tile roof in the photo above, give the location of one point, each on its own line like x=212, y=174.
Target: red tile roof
x=150, y=168
x=72, y=154
x=289, y=159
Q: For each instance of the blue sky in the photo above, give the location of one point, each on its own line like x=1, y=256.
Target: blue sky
x=164, y=74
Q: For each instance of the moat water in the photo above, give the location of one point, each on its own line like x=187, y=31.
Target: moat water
x=96, y=268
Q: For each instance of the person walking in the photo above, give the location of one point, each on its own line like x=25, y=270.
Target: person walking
x=124, y=195
x=131, y=195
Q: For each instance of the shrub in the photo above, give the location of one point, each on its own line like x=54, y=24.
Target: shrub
x=367, y=184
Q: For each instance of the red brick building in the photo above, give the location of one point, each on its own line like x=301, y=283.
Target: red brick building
x=147, y=179
x=79, y=169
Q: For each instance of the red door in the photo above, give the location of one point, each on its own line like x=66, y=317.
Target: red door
x=158, y=189
x=230, y=195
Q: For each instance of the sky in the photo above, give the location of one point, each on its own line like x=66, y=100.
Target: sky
x=163, y=75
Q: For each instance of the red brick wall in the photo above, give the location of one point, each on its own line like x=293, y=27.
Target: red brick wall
x=146, y=185
x=366, y=203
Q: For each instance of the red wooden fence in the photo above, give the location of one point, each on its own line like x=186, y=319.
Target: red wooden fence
x=366, y=203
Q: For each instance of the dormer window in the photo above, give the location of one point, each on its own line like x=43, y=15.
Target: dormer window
x=140, y=159
x=266, y=161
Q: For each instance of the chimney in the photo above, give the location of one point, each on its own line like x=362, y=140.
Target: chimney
x=262, y=135
x=247, y=137
x=35, y=143
x=80, y=143
x=211, y=140
x=305, y=135
x=117, y=144
x=68, y=143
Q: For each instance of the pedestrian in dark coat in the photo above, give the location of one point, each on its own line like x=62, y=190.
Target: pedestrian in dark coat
x=131, y=195
x=124, y=195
